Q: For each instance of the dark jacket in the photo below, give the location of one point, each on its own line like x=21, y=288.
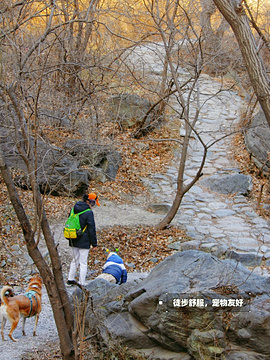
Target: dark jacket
x=114, y=265
x=89, y=236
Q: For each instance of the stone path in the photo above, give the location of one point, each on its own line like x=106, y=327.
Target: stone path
x=216, y=222
x=220, y=224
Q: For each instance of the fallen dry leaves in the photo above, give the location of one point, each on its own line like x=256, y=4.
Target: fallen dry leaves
x=141, y=247
x=139, y=159
x=137, y=245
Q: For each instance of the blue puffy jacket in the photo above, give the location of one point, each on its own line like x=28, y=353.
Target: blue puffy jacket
x=114, y=265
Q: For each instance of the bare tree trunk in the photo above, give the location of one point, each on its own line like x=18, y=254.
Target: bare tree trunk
x=181, y=188
x=62, y=312
x=212, y=38
x=78, y=39
x=189, y=123
x=234, y=13
x=53, y=281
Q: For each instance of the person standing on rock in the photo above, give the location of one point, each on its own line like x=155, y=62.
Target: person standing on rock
x=80, y=247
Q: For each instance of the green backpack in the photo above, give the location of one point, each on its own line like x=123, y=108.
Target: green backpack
x=72, y=229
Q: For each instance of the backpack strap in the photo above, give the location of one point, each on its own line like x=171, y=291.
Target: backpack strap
x=81, y=211
x=80, y=214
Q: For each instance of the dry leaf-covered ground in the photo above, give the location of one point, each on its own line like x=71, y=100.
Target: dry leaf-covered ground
x=140, y=246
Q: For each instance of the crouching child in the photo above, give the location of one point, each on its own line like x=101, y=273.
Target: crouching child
x=114, y=269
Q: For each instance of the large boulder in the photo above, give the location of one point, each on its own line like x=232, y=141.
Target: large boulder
x=128, y=109
x=64, y=171
x=257, y=139
x=238, y=184
x=192, y=304
x=102, y=161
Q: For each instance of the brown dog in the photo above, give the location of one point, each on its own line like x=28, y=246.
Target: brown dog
x=14, y=307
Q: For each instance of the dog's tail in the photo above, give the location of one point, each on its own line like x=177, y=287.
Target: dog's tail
x=6, y=292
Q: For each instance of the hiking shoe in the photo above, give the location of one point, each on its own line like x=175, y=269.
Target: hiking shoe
x=71, y=282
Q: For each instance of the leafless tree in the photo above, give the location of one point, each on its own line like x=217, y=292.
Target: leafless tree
x=52, y=276
x=184, y=48
x=234, y=12
x=28, y=66
x=58, y=57
x=215, y=54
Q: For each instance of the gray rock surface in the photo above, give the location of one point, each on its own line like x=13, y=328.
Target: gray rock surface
x=192, y=303
x=62, y=171
x=237, y=184
x=128, y=109
x=103, y=160
x=257, y=139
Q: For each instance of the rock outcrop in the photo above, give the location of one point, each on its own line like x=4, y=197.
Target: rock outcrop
x=62, y=171
x=238, y=184
x=191, y=306
x=257, y=140
x=133, y=111
x=102, y=161
x=128, y=109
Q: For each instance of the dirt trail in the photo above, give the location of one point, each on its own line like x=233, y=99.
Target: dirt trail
x=108, y=214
